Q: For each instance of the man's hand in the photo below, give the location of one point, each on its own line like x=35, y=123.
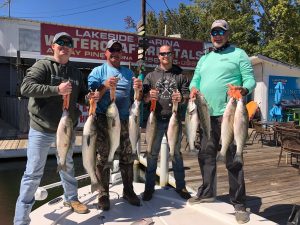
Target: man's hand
x=193, y=93
x=65, y=88
x=176, y=96
x=244, y=91
x=153, y=94
x=137, y=84
x=111, y=82
x=94, y=95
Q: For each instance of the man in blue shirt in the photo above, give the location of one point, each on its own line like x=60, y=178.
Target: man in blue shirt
x=111, y=75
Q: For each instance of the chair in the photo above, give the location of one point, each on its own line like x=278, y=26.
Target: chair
x=290, y=143
x=263, y=131
x=276, y=128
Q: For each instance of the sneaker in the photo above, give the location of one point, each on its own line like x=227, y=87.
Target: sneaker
x=242, y=216
x=147, y=196
x=183, y=193
x=132, y=198
x=77, y=207
x=198, y=200
x=104, y=203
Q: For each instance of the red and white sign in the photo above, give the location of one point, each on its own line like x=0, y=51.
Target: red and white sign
x=90, y=44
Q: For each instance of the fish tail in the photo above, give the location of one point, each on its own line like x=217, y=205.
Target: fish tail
x=61, y=167
x=221, y=157
x=238, y=159
x=135, y=156
x=94, y=187
x=172, y=158
x=108, y=165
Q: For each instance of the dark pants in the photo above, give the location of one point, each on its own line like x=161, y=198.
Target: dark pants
x=207, y=162
x=124, y=152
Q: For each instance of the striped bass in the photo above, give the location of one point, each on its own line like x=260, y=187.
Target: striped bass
x=227, y=133
x=134, y=124
x=240, y=128
x=204, y=115
x=64, y=136
x=89, y=138
x=173, y=130
x=191, y=124
x=151, y=127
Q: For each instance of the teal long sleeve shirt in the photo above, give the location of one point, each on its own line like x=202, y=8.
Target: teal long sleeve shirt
x=216, y=70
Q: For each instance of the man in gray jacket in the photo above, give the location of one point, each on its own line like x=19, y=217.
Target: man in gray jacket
x=45, y=83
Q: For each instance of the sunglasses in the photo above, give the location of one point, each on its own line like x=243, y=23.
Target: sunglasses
x=115, y=50
x=68, y=44
x=165, y=53
x=217, y=32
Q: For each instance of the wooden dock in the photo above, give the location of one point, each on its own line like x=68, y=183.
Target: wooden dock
x=271, y=191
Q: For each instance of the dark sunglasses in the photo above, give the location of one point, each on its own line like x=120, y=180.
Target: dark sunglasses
x=165, y=53
x=115, y=50
x=68, y=44
x=217, y=32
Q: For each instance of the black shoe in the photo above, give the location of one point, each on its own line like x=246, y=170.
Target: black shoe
x=104, y=203
x=198, y=200
x=147, y=196
x=184, y=193
x=132, y=198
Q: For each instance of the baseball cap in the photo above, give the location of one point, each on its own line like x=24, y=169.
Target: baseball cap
x=112, y=42
x=220, y=23
x=61, y=35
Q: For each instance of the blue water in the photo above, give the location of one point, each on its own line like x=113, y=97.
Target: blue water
x=11, y=171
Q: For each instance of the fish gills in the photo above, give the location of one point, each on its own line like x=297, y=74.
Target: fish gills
x=134, y=125
x=204, y=115
x=240, y=128
x=173, y=130
x=64, y=136
x=227, y=129
x=89, y=138
x=114, y=132
x=191, y=124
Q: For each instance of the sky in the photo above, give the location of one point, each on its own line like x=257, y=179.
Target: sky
x=101, y=14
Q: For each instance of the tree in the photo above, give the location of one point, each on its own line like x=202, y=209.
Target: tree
x=268, y=27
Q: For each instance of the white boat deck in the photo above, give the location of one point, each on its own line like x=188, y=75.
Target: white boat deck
x=166, y=207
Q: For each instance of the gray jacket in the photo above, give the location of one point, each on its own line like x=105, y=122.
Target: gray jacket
x=41, y=86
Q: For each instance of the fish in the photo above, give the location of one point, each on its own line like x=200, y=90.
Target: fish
x=89, y=137
x=134, y=123
x=203, y=113
x=114, y=130
x=191, y=124
x=240, y=129
x=173, y=130
x=227, y=134
x=64, y=137
x=151, y=127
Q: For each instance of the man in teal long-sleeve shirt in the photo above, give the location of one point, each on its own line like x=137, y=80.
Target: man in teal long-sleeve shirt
x=224, y=65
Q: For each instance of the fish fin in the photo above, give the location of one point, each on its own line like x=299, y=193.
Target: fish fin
x=88, y=140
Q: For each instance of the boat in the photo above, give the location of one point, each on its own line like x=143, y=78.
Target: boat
x=165, y=208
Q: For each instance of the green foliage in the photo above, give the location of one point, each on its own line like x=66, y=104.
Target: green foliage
x=268, y=27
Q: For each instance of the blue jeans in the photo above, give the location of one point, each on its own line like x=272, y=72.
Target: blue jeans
x=177, y=163
x=37, y=150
